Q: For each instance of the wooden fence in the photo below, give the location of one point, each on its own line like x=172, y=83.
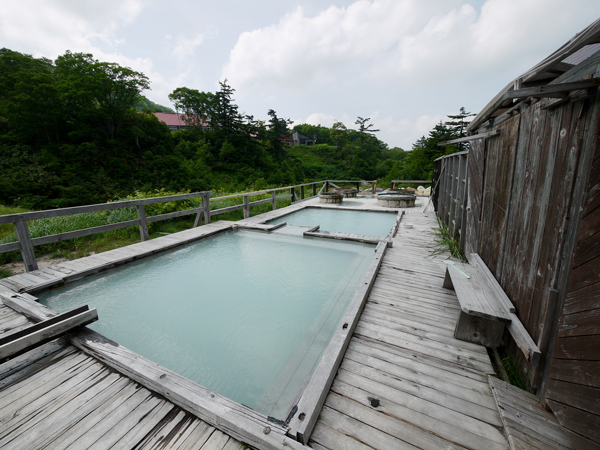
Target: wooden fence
x=25, y=243
x=449, y=194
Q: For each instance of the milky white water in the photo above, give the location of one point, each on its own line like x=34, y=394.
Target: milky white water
x=344, y=221
x=244, y=313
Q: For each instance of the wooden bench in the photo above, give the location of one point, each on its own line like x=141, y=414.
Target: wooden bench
x=485, y=308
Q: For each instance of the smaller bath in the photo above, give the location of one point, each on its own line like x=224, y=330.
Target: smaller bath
x=393, y=200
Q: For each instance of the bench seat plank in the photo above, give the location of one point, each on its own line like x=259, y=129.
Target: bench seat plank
x=474, y=296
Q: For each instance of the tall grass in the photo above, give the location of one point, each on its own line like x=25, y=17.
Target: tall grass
x=445, y=242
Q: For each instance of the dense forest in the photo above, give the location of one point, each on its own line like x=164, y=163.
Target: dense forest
x=77, y=131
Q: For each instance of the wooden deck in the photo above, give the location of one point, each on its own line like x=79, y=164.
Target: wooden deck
x=58, y=397
x=404, y=382
x=528, y=425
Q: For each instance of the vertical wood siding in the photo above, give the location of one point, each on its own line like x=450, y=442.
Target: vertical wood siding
x=521, y=191
x=573, y=388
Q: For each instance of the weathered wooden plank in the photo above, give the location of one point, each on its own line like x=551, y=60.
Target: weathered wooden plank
x=327, y=438
x=49, y=332
x=10, y=394
x=576, y=420
x=71, y=418
x=447, y=410
x=576, y=395
x=314, y=394
x=236, y=420
x=444, y=352
x=112, y=420
x=474, y=297
x=421, y=387
x=94, y=411
x=364, y=435
x=137, y=433
x=586, y=373
x=578, y=348
x=526, y=418
x=25, y=244
x=41, y=408
x=580, y=324
x=121, y=424
x=32, y=361
x=483, y=437
x=552, y=90
x=198, y=437
x=416, y=331
x=582, y=299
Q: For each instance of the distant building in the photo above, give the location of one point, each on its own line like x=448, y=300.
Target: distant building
x=176, y=121
x=297, y=138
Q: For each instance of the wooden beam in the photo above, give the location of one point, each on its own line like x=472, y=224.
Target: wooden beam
x=141, y=212
x=246, y=206
x=553, y=90
x=26, y=245
x=411, y=181
x=35, y=215
x=471, y=138
x=44, y=332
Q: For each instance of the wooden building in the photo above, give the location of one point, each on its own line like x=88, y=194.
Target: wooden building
x=526, y=198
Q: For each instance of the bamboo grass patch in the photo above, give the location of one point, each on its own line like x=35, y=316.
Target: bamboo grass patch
x=444, y=242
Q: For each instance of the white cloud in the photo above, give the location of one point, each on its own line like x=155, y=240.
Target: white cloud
x=52, y=26
x=300, y=49
x=396, y=40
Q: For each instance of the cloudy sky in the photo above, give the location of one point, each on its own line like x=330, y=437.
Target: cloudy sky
x=404, y=63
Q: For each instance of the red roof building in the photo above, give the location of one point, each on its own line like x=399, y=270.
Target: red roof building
x=176, y=121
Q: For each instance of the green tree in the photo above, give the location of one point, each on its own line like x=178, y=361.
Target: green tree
x=197, y=107
x=277, y=128
x=99, y=92
x=458, y=126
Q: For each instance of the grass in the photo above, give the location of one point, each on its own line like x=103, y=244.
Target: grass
x=101, y=242
x=445, y=242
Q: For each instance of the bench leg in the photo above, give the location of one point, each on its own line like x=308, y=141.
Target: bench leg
x=479, y=330
x=447, y=281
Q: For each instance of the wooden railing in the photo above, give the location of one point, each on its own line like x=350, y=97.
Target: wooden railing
x=395, y=182
x=449, y=191
x=25, y=242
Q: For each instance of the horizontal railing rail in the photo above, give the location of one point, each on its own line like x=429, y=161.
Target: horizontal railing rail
x=25, y=242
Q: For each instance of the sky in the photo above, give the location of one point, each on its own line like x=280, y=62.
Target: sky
x=405, y=64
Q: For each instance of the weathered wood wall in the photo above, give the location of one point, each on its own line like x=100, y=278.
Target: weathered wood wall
x=523, y=203
x=573, y=385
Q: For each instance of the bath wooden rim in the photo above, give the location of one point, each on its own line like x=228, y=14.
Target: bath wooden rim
x=235, y=419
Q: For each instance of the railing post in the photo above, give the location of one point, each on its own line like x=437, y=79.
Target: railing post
x=203, y=210
x=27, y=251
x=301, y=192
x=358, y=186
x=293, y=192
x=274, y=199
x=206, y=200
x=246, y=206
x=141, y=212
x=314, y=187
x=374, y=187
x=327, y=186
